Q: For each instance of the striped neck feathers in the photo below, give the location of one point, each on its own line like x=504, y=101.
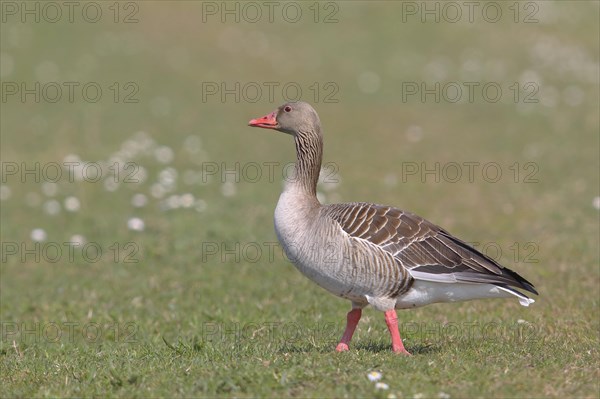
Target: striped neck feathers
x=309, y=154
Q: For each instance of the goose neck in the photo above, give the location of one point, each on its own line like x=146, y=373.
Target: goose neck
x=309, y=153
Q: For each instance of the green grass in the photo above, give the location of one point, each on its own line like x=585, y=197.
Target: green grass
x=185, y=321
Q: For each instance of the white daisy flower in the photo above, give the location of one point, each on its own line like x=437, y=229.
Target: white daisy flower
x=139, y=200
x=382, y=385
x=4, y=192
x=72, y=204
x=374, y=376
x=38, y=235
x=135, y=224
x=52, y=207
x=77, y=240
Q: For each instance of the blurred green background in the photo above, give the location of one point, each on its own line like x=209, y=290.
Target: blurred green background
x=160, y=120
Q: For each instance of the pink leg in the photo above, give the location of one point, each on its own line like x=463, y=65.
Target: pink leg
x=351, y=321
x=391, y=319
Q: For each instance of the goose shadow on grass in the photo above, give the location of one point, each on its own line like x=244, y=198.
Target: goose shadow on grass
x=373, y=347
x=377, y=347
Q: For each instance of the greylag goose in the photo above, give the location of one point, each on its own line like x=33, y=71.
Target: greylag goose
x=374, y=254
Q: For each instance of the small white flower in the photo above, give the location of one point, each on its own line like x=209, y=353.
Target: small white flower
x=186, y=200
x=167, y=177
x=158, y=190
x=382, y=385
x=136, y=176
x=164, y=154
x=110, y=184
x=52, y=207
x=374, y=376
x=173, y=202
x=72, y=204
x=4, y=193
x=49, y=188
x=443, y=395
x=77, y=240
x=38, y=235
x=135, y=224
x=139, y=200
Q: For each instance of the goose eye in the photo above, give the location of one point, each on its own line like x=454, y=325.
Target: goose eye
x=287, y=108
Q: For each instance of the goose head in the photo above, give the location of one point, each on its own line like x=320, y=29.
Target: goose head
x=292, y=118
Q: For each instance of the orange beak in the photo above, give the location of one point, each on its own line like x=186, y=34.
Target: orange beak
x=266, y=122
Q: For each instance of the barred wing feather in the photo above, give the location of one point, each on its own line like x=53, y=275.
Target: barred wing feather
x=427, y=251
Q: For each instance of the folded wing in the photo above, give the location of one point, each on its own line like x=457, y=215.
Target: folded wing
x=427, y=251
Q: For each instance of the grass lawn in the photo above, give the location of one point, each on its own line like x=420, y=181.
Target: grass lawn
x=138, y=251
